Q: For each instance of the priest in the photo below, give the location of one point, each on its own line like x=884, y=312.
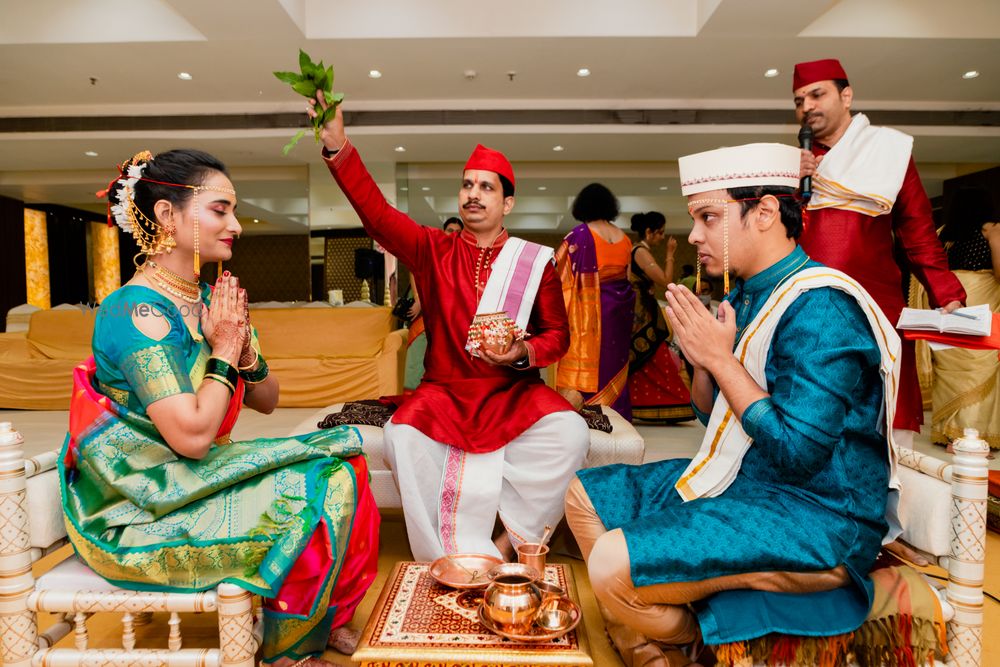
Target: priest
x=482, y=436
x=869, y=215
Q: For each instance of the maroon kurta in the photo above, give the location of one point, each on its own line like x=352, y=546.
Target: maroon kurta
x=862, y=247
x=462, y=401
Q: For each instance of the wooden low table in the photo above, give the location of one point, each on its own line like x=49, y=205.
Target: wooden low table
x=419, y=623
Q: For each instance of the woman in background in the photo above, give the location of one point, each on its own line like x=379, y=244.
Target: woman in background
x=965, y=393
x=593, y=264
x=658, y=390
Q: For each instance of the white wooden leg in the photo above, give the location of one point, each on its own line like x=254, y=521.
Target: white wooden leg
x=18, y=625
x=236, y=626
x=968, y=550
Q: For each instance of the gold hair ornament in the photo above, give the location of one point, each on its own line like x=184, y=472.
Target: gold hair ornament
x=725, y=242
x=152, y=237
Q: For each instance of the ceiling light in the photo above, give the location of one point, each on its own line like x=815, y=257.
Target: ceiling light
x=404, y=189
x=971, y=74
x=771, y=73
x=91, y=153
x=374, y=74
x=425, y=189
x=583, y=71
x=558, y=149
x=664, y=187
x=184, y=76
x=256, y=220
x=542, y=188
x=400, y=149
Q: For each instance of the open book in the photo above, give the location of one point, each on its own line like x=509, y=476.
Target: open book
x=972, y=321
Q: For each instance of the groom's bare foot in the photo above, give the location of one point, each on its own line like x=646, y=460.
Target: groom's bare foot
x=344, y=640
x=906, y=552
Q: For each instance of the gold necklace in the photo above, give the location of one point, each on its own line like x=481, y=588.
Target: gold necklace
x=172, y=283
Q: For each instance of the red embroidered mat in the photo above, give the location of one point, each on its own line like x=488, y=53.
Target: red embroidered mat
x=418, y=622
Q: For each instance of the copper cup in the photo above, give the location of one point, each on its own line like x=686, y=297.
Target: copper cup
x=533, y=555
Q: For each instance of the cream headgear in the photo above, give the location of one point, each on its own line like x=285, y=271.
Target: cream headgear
x=747, y=166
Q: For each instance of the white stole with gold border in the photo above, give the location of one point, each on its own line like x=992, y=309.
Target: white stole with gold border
x=513, y=283
x=718, y=460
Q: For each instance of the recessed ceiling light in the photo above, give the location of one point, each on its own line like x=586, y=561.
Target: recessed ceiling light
x=542, y=187
x=400, y=149
x=425, y=189
x=184, y=76
x=374, y=74
x=91, y=153
x=256, y=220
x=971, y=74
x=583, y=71
x=771, y=73
x=664, y=187
x=404, y=189
x=558, y=149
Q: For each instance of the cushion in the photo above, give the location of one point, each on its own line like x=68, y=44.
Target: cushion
x=73, y=575
x=372, y=441
x=622, y=445
x=45, y=512
x=925, y=511
x=903, y=627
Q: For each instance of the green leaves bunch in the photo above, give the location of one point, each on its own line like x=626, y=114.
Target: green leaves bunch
x=313, y=78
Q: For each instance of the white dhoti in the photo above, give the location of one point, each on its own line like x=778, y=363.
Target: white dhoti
x=451, y=498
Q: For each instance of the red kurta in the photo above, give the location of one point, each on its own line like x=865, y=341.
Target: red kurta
x=462, y=401
x=863, y=247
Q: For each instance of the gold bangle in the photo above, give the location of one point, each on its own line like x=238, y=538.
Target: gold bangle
x=256, y=357
x=220, y=380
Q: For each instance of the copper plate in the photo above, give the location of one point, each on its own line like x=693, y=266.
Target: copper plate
x=536, y=633
x=465, y=571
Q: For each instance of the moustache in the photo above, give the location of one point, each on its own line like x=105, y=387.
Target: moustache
x=473, y=203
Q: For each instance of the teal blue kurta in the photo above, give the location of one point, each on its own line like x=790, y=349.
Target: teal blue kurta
x=811, y=492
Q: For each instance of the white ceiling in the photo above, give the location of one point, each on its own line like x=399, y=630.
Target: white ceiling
x=643, y=54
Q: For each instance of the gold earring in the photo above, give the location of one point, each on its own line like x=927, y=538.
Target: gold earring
x=197, y=227
x=725, y=249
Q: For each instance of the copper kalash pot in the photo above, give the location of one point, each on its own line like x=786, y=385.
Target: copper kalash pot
x=512, y=599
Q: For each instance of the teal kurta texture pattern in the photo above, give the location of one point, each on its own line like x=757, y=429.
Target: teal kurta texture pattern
x=811, y=492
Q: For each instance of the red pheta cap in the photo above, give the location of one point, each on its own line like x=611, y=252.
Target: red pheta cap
x=817, y=70
x=488, y=159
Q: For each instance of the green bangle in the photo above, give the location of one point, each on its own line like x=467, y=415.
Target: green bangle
x=221, y=380
x=257, y=376
x=222, y=368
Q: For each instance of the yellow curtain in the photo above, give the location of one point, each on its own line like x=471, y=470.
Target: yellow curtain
x=36, y=258
x=107, y=270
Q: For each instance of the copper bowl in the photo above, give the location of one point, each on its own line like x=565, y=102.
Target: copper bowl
x=464, y=571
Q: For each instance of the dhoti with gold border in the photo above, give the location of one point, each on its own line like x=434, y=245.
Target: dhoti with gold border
x=419, y=623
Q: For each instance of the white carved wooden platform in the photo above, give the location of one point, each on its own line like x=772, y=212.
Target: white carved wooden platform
x=74, y=591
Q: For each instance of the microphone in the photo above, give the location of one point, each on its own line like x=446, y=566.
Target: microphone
x=806, y=141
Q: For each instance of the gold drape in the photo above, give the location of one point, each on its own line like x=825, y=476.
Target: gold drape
x=107, y=270
x=36, y=258
x=579, y=369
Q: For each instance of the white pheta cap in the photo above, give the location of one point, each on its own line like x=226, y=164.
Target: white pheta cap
x=749, y=165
